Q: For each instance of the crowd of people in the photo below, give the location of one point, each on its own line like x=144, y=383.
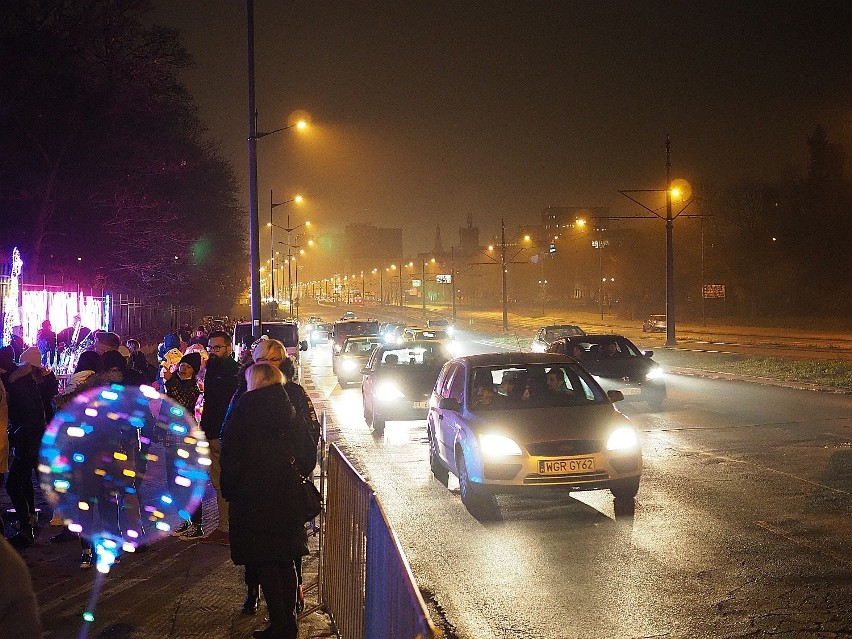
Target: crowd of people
x=260, y=424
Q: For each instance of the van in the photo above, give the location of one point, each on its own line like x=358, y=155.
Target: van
x=285, y=332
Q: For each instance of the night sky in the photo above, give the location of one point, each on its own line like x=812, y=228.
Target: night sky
x=427, y=112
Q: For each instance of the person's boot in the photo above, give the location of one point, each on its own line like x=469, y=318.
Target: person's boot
x=252, y=599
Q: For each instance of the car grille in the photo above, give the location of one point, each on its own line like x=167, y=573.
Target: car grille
x=564, y=448
x=574, y=478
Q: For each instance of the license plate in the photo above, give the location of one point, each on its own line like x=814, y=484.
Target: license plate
x=421, y=404
x=565, y=466
x=631, y=391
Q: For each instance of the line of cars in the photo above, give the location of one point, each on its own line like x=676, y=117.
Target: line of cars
x=509, y=422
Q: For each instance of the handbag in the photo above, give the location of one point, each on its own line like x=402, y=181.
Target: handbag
x=310, y=495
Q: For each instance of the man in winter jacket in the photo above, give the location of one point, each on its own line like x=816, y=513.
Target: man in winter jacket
x=220, y=384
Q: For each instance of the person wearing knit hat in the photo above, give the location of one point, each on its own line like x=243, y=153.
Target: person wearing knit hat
x=183, y=388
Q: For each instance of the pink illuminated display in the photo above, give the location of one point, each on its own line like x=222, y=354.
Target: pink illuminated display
x=61, y=308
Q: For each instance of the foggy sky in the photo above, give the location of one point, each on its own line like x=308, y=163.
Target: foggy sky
x=427, y=112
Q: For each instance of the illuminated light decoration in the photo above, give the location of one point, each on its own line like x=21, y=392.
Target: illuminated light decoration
x=133, y=533
x=100, y=472
x=114, y=416
x=109, y=395
x=75, y=528
x=161, y=525
x=120, y=456
x=158, y=514
x=128, y=473
x=166, y=499
x=12, y=310
x=152, y=457
x=177, y=411
x=61, y=485
x=178, y=428
x=205, y=461
x=83, y=505
x=189, y=440
x=88, y=617
x=183, y=481
x=149, y=392
x=79, y=457
x=75, y=431
x=182, y=453
x=127, y=546
x=91, y=412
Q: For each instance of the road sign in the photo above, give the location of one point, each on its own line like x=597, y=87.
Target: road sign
x=714, y=291
x=444, y=279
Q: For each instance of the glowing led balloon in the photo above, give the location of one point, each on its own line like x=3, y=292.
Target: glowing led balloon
x=119, y=473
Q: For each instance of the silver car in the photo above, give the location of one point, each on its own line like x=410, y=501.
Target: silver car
x=546, y=335
x=507, y=422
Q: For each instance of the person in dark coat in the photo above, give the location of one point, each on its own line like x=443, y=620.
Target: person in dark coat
x=220, y=384
x=265, y=447
x=26, y=428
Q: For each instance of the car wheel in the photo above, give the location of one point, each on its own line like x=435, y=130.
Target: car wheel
x=625, y=488
x=474, y=496
x=377, y=424
x=438, y=469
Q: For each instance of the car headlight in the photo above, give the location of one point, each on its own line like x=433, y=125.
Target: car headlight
x=655, y=373
x=537, y=348
x=498, y=446
x=451, y=330
x=623, y=438
x=337, y=348
x=348, y=365
x=388, y=391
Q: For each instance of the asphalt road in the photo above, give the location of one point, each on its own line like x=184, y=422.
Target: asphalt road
x=740, y=529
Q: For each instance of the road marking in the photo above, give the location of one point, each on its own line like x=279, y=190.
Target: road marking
x=743, y=462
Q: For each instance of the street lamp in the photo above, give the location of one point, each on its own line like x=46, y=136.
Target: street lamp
x=680, y=190
x=272, y=204
x=289, y=228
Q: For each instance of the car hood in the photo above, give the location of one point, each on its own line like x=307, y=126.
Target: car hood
x=595, y=421
x=634, y=367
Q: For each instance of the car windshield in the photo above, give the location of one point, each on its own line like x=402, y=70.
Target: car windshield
x=288, y=334
x=360, y=346
x=356, y=328
x=607, y=347
x=431, y=335
x=531, y=386
x=421, y=355
x=558, y=332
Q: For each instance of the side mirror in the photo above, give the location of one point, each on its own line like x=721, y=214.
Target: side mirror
x=449, y=403
x=648, y=353
x=366, y=370
x=303, y=345
x=615, y=395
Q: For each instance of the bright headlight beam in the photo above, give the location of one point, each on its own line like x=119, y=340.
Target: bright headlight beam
x=388, y=391
x=622, y=438
x=498, y=446
x=655, y=373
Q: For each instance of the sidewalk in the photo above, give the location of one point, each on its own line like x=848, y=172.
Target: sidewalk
x=178, y=590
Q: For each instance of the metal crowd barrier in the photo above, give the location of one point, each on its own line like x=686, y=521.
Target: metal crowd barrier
x=364, y=580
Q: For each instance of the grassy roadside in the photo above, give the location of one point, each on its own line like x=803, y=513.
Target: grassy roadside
x=837, y=373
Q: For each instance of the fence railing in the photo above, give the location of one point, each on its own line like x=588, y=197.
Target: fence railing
x=365, y=583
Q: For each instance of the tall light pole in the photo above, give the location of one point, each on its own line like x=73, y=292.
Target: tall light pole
x=453, y=279
x=670, y=292
x=254, y=231
x=682, y=193
x=272, y=205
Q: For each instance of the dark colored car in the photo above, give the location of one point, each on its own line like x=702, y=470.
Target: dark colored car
x=345, y=328
x=398, y=380
x=618, y=364
x=353, y=357
x=654, y=324
x=522, y=422
x=546, y=335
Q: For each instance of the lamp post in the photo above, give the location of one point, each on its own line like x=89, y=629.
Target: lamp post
x=289, y=228
x=272, y=205
x=683, y=193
